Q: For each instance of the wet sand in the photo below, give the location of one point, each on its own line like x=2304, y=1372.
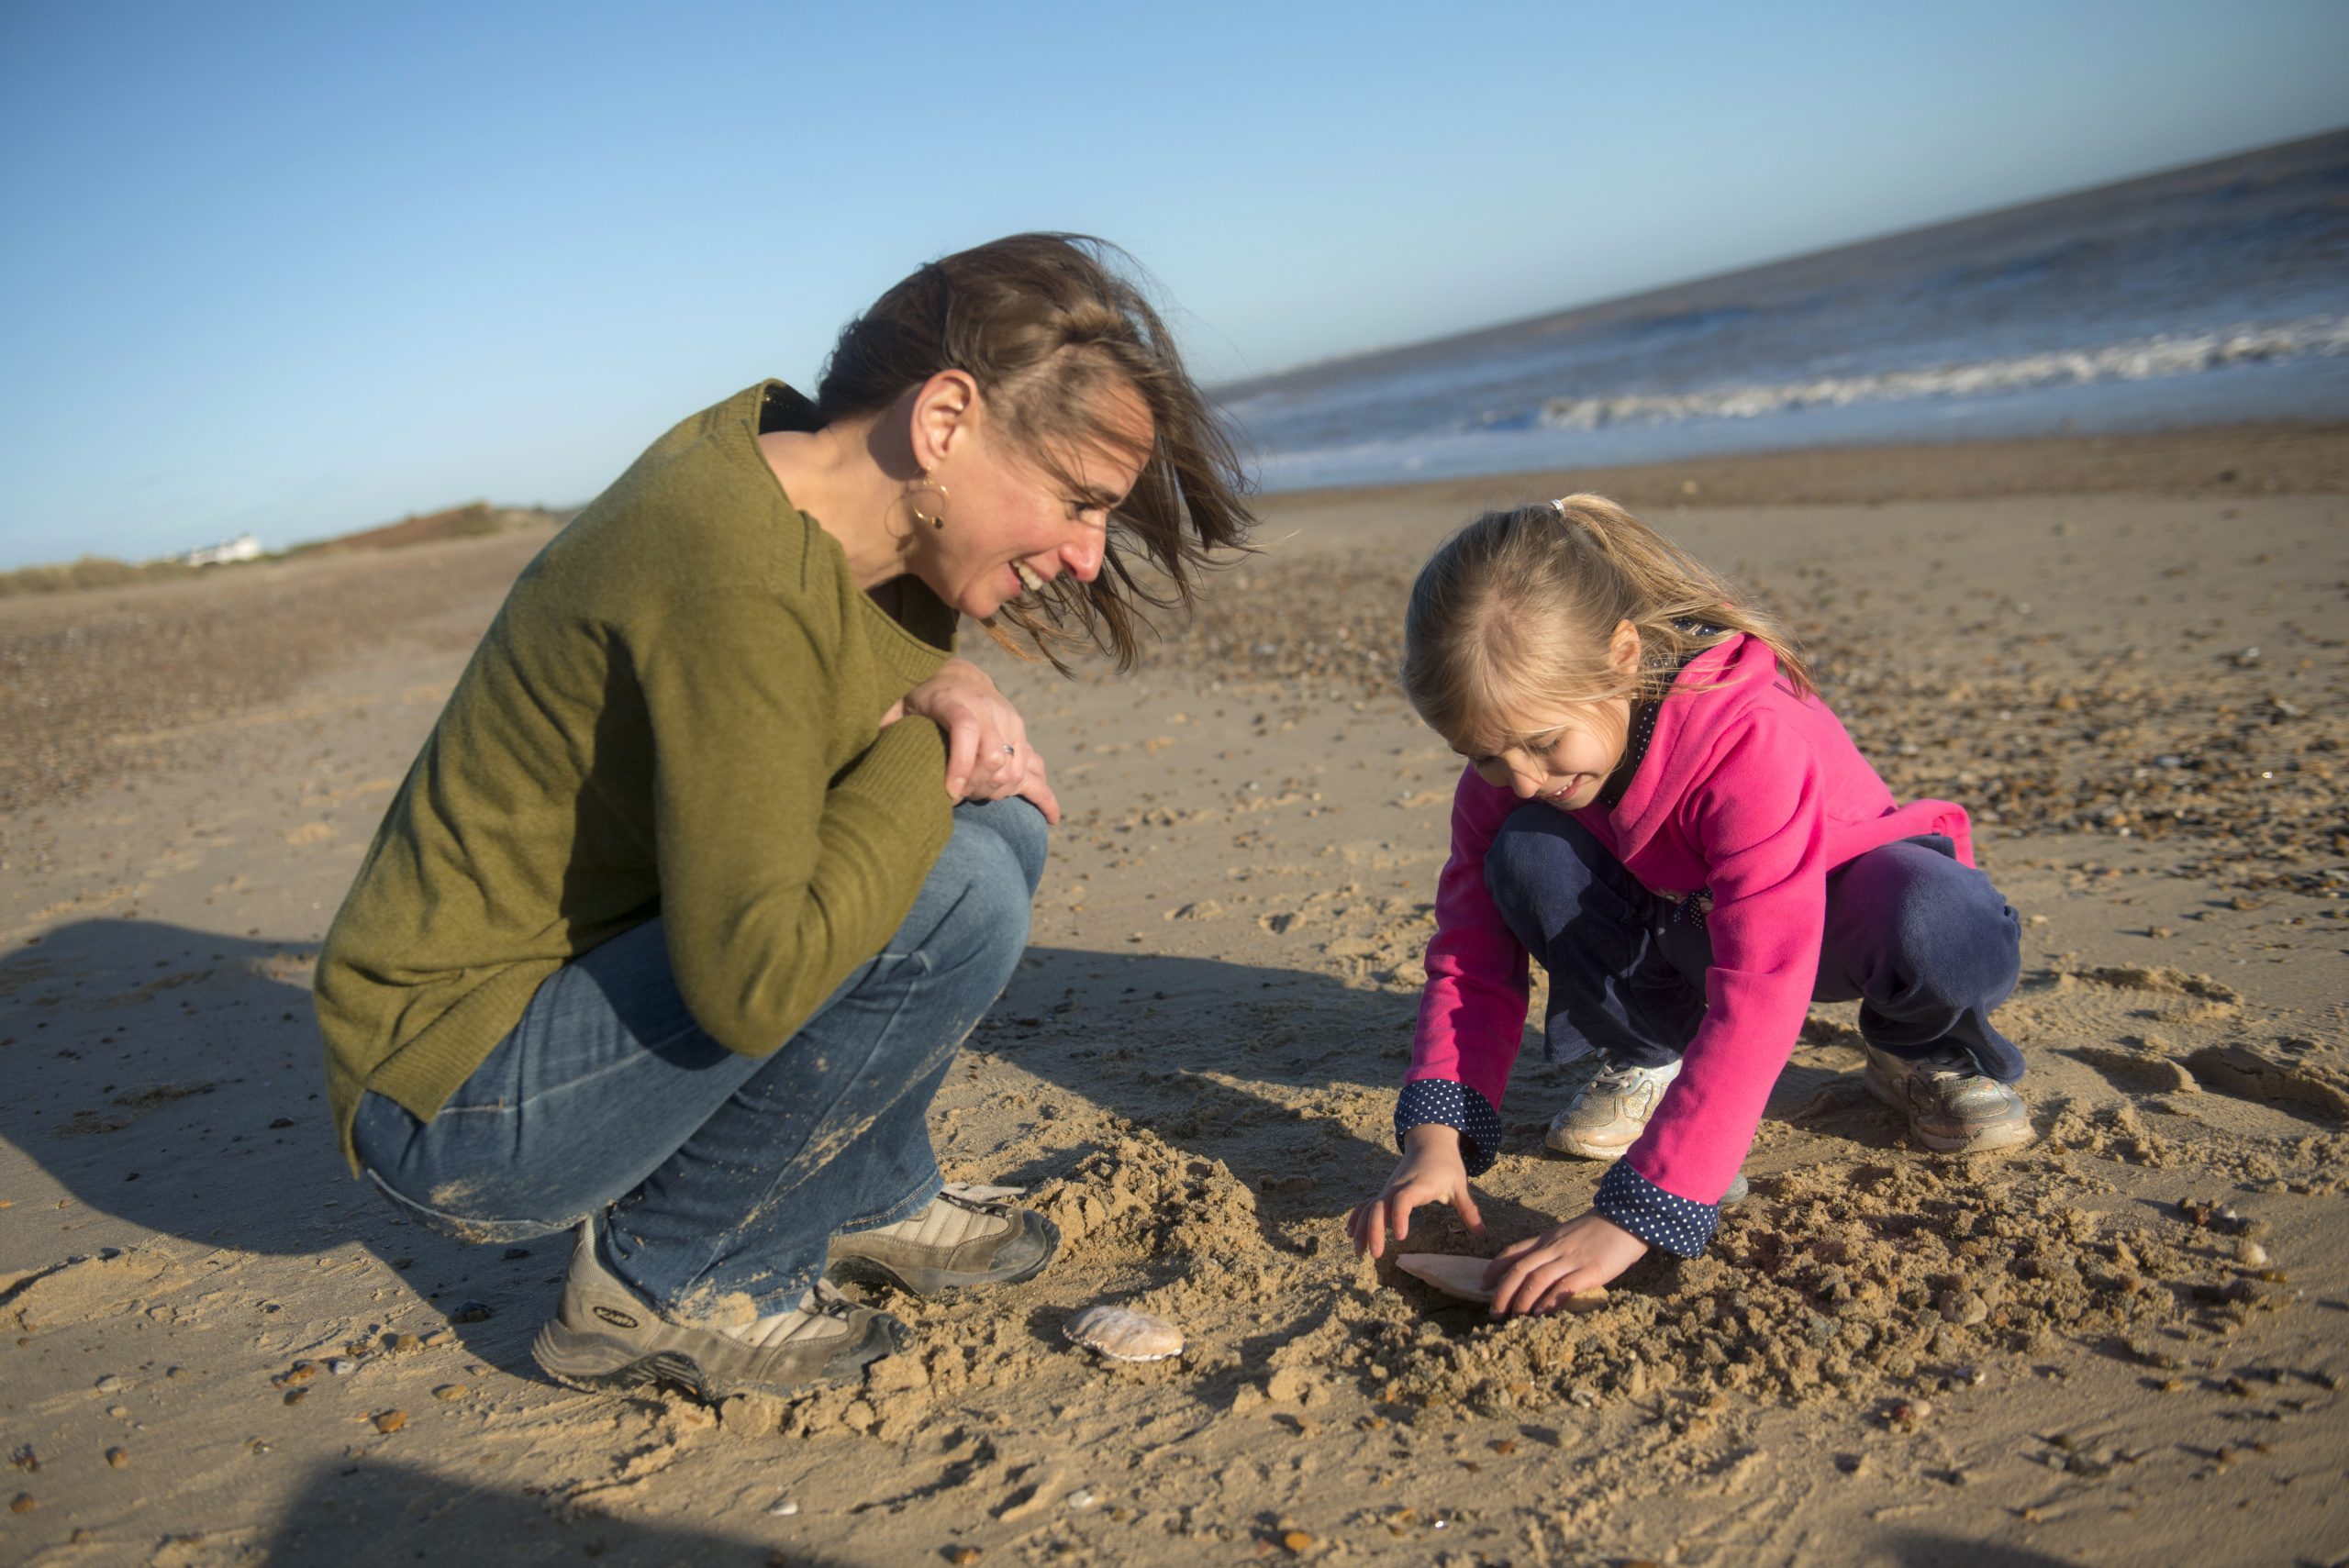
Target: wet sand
x=2124, y=1344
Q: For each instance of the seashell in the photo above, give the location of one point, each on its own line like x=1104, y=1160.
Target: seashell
x=1125, y=1335
x=1465, y=1278
x=1449, y=1273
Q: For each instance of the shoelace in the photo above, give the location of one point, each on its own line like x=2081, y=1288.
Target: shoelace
x=1614, y=1078
x=984, y=1207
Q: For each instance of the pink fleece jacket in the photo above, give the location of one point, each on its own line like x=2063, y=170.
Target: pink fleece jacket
x=1747, y=790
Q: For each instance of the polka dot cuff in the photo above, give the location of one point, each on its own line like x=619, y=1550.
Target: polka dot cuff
x=1440, y=1100
x=1678, y=1225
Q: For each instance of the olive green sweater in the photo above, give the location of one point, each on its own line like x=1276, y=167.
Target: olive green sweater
x=676, y=712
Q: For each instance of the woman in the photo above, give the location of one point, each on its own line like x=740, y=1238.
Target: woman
x=716, y=854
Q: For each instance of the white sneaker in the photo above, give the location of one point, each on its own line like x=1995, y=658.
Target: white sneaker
x=1949, y=1106
x=1611, y=1111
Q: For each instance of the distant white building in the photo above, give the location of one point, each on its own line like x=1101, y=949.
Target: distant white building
x=244, y=547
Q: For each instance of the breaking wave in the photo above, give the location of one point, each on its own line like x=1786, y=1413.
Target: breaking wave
x=2144, y=359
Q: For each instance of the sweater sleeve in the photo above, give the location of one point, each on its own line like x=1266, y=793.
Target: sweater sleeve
x=777, y=877
x=1472, y=1011
x=1758, y=821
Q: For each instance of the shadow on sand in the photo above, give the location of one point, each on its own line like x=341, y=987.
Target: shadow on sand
x=169, y=1075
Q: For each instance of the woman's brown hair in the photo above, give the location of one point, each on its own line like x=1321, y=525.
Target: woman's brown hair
x=1519, y=609
x=1047, y=325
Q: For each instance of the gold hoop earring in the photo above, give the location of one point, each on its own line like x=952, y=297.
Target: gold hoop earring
x=936, y=519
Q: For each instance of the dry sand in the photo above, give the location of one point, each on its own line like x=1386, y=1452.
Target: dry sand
x=2125, y=1345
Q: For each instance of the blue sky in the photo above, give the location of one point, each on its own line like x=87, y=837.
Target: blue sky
x=305, y=269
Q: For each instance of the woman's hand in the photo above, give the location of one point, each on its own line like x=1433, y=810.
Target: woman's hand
x=1538, y=1273
x=1430, y=1172
x=987, y=754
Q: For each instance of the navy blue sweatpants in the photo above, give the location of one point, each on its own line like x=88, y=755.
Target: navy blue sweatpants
x=1923, y=943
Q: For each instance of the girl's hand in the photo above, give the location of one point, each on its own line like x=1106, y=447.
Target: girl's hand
x=1430, y=1172
x=987, y=756
x=1538, y=1273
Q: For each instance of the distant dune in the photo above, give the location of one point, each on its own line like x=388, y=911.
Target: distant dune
x=475, y=519
x=472, y=520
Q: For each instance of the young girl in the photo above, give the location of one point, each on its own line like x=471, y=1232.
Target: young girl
x=1660, y=810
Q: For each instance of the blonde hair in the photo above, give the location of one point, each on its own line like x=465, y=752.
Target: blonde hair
x=1519, y=608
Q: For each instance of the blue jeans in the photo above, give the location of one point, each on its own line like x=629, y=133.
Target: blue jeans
x=1926, y=946
x=726, y=1175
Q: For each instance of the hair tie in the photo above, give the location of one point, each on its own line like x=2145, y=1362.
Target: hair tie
x=1559, y=506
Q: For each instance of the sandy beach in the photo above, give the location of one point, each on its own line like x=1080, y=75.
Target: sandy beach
x=2128, y=657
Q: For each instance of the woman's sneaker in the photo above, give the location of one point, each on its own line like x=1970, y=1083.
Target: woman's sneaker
x=967, y=1236
x=1951, y=1108
x=1611, y=1111
x=605, y=1336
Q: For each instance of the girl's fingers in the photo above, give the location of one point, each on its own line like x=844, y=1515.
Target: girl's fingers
x=1555, y=1296
x=1466, y=1204
x=1509, y=1254
x=1527, y=1288
x=1507, y=1276
x=1398, y=1215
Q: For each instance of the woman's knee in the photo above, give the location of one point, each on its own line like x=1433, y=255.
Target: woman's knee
x=982, y=888
x=1019, y=825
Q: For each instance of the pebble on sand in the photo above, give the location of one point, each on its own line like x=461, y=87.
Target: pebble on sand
x=391, y=1420
x=1125, y=1335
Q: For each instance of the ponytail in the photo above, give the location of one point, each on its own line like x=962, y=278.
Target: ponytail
x=1521, y=607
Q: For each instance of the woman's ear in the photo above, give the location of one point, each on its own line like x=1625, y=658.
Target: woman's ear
x=1623, y=649
x=943, y=407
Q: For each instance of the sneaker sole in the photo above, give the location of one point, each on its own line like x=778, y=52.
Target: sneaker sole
x=1988, y=1141
x=1587, y=1146
x=941, y=1282
x=595, y=1365
x=593, y=1378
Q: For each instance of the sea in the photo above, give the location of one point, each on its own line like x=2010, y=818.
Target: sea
x=2207, y=294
